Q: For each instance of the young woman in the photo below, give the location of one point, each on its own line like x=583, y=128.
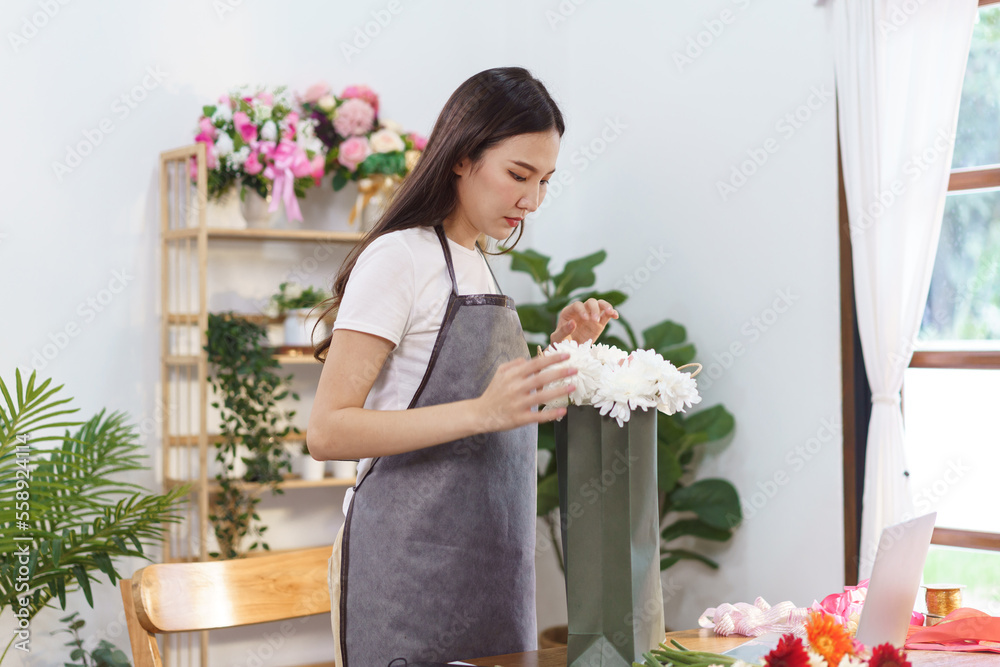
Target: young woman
x=428, y=381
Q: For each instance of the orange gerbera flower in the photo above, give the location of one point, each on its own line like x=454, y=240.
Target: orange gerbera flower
x=828, y=637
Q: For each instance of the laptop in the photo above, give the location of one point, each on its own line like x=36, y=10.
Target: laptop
x=892, y=590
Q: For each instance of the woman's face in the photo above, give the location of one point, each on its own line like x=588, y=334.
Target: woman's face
x=509, y=182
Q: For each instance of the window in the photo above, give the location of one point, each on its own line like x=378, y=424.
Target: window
x=951, y=390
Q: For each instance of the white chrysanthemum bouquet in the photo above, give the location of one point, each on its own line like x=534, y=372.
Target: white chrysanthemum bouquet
x=618, y=382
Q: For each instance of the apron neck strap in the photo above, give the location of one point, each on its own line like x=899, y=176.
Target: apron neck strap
x=486, y=259
x=447, y=257
x=451, y=268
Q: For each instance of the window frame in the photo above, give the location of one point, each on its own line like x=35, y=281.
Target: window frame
x=856, y=409
x=967, y=179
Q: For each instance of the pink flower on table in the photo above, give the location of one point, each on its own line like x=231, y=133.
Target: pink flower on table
x=243, y=125
x=252, y=164
x=266, y=97
x=353, y=152
x=290, y=121
x=354, y=118
x=318, y=165
x=315, y=92
x=845, y=607
x=419, y=140
x=361, y=93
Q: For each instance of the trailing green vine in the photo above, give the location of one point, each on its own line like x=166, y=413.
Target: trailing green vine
x=243, y=375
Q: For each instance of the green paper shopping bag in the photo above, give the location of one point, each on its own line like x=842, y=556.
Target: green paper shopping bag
x=610, y=531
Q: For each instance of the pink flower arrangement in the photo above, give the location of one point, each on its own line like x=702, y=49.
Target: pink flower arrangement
x=360, y=144
x=255, y=139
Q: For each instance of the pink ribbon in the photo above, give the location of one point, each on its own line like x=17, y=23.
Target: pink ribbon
x=288, y=162
x=756, y=619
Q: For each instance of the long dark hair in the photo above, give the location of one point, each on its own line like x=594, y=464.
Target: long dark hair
x=486, y=109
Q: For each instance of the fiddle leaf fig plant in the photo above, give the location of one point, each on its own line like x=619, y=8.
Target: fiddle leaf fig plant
x=707, y=509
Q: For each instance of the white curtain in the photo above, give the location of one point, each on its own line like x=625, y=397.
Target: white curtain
x=899, y=70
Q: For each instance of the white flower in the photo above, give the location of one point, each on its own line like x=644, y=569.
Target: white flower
x=222, y=113
x=272, y=310
x=585, y=379
x=237, y=158
x=624, y=388
x=305, y=136
x=815, y=659
x=293, y=291
x=676, y=391
x=261, y=112
x=269, y=131
x=618, y=383
x=392, y=125
x=386, y=141
x=609, y=354
x=851, y=661
x=326, y=103
x=223, y=144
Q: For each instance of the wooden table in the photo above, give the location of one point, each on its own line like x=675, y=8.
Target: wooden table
x=707, y=640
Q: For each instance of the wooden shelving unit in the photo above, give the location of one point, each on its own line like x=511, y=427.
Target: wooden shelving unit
x=187, y=443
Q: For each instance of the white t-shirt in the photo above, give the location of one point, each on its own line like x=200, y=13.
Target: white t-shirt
x=399, y=290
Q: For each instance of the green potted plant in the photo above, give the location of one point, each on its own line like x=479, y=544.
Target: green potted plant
x=252, y=427
x=64, y=514
x=296, y=304
x=105, y=655
x=707, y=509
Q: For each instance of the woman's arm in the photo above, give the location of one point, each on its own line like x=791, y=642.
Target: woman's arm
x=340, y=428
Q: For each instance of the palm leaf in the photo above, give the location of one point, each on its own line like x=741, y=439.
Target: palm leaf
x=74, y=512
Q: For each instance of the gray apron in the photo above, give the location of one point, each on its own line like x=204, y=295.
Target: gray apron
x=438, y=550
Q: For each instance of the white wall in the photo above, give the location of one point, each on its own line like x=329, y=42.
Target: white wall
x=653, y=189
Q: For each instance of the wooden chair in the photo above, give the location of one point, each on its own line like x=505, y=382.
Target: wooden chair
x=186, y=597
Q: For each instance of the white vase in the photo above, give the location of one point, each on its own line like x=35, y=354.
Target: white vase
x=222, y=213
x=310, y=469
x=299, y=325
x=255, y=210
x=344, y=469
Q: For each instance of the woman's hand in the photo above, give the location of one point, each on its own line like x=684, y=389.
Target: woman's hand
x=516, y=388
x=583, y=321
